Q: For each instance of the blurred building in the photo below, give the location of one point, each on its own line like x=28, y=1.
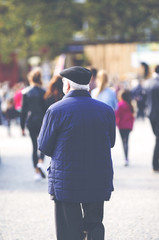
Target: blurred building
x=9, y=72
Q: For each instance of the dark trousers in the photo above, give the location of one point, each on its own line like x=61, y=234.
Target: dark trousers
x=34, y=132
x=155, y=159
x=124, y=133
x=75, y=221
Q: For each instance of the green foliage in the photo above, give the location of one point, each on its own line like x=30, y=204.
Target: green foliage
x=29, y=27
x=127, y=20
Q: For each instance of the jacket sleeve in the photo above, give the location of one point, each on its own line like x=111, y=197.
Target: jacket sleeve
x=112, y=129
x=48, y=133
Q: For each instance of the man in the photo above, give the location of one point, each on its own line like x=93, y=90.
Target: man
x=77, y=133
x=153, y=113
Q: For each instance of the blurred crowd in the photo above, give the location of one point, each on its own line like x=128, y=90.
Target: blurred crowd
x=26, y=105
x=101, y=88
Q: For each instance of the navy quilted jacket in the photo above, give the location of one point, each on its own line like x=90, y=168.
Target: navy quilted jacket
x=77, y=133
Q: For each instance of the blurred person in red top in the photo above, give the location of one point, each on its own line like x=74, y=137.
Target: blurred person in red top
x=125, y=120
x=17, y=98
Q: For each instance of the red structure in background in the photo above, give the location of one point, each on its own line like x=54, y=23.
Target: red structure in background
x=9, y=72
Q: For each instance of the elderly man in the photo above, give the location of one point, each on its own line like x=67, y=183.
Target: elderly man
x=77, y=133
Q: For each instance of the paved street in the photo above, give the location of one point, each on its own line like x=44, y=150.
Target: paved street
x=26, y=212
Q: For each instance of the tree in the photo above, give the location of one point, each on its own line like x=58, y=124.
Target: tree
x=32, y=27
x=27, y=26
x=126, y=21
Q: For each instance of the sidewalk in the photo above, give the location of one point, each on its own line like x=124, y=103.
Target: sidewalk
x=26, y=212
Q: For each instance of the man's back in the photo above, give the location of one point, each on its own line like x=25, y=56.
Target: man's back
x=84, y=131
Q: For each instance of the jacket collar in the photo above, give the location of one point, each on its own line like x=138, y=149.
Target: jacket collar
x=77, y=93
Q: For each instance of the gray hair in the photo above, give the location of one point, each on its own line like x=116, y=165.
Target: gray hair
x=77, y=86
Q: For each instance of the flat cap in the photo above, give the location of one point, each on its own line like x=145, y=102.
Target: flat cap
x=77, y=74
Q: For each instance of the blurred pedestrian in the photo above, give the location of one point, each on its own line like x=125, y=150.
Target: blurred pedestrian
x=144, y=71
x=139, y=95
x=102, y=92
x=32, y=113
x=17, y=98
x=92, y=83
x=7, y=106
x=153, y=113
x=125, y=120
x=10, y=114
x=54, y=91
x=0, y=112
x=79, y=140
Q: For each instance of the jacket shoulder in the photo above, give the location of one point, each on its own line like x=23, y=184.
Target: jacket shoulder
x=103, y=105
x=56, y=106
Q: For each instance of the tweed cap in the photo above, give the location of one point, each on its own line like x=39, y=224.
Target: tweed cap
x=77, y=74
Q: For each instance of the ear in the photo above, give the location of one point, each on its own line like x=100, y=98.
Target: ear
x=68, y=87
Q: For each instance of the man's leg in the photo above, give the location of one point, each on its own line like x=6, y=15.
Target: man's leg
x=69, y=221
x=33, y=136
x=125, y=136
x=93, y=217
x=127, y=132
x=155, y=162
